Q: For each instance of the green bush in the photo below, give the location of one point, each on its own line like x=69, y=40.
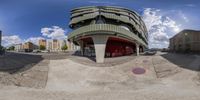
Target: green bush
x=1, y=47
x=11, y=48
x=64, y=47
x=42, y=47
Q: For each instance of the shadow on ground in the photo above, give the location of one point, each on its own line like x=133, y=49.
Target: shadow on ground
x=108, y=62
x=56, y=56
x=78, y=54
x=14, y=62
x=183, y=60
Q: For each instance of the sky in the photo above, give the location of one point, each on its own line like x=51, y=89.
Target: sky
x=30, y=20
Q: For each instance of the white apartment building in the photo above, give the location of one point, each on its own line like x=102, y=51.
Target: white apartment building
x=18, y=47
x=55, y=45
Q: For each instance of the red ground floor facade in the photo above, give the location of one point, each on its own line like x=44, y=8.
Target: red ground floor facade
x=115, y=47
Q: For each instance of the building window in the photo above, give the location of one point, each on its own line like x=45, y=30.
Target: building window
x=77, y=26
x=126, y=27
x=100, y=20
x=187, y=47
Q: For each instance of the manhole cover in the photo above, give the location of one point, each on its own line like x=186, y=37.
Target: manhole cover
x=138, y=70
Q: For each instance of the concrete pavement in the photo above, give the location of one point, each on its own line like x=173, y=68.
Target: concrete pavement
x=69, y=80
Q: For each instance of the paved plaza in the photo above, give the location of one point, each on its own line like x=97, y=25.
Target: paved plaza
x=65, y=77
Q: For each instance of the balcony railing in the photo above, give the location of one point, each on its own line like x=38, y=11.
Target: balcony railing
x=105, y=29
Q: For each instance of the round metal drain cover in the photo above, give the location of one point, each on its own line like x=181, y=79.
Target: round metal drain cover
x=138, y=70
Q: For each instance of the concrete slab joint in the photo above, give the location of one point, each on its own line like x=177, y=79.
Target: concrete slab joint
x=100, y=46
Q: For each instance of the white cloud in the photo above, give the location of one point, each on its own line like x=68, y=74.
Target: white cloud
x=183, y=16
x=150, y=18
x=11, y=40
x=159, y=27
x=34, y=40
x=167, y=22
x=15, y=39
x=190, y=5
x=54, y=32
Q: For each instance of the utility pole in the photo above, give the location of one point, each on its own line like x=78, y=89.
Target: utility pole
x=1, y=47
x=0, y=37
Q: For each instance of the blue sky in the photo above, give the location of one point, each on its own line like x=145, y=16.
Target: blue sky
x=30, y=20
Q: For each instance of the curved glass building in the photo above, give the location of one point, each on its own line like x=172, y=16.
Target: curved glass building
x=105, y=31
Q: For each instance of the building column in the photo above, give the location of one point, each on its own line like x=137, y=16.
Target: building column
x=71, y=46
x=100, y=46
x=142, y=49
x=81, y=44
x=137, y=49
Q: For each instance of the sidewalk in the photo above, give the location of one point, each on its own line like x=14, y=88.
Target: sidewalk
x=68, y=80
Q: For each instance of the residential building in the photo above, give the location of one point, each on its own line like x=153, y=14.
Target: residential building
x=49, y=45
x=185, y=41
x=19, y=47
x=107, y=31
x=57, y=44
x=29, y=46
x=62, y=43
x=25, y=47
x=42, y=42
x=72, y=46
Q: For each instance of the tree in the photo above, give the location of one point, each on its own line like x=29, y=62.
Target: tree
x=2, y=50
x=42, y=47
x=11, y=48
x=1, y=47
x=64, y=47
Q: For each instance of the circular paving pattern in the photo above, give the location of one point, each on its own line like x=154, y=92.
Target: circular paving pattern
x=138, y=70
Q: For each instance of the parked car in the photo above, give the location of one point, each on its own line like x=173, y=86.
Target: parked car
x=165, y=50
x=36, y=51
x=45, y=51
x=150, y=52
x=28, y=50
